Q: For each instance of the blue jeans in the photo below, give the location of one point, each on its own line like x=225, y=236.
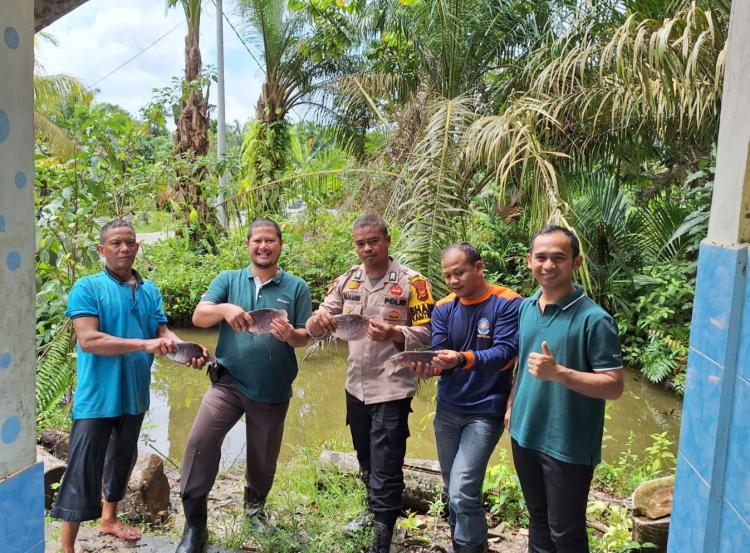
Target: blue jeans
x=464, y=445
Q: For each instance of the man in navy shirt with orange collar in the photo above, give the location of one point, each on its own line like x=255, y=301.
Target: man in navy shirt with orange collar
x=474, y=330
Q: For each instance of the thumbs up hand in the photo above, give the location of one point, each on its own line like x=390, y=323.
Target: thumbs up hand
x=543, y=365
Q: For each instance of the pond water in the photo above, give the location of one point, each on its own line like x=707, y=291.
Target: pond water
x=316, y=413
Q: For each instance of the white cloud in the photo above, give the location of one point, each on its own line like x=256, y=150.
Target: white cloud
x=101, y=35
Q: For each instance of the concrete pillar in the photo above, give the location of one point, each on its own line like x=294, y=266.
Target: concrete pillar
x=712, y=494
x=21, y=478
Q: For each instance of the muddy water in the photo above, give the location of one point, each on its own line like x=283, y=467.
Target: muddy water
x=316, y=413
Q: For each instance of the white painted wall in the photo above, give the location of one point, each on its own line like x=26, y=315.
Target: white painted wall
x=17, y=285
x=730, y=207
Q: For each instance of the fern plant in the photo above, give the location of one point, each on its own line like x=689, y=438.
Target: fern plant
x=664, y=357
x=55, y=373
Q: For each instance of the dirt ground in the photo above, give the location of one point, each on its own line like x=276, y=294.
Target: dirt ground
x=225, y=495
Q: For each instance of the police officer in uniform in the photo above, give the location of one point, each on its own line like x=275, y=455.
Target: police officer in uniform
x=377, y=404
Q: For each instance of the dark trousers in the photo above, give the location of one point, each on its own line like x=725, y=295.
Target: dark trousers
x=100, y=449
x=556, y=495
x=221, y=408
x=379, y=433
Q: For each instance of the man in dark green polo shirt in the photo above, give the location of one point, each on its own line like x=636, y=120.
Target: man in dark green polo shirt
x=253, y=377
x=569, y=363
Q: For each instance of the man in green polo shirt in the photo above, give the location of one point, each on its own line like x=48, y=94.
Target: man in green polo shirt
x=253, y=376
x=569, y=363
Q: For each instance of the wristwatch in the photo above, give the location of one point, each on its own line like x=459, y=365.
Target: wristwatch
x=461, y=361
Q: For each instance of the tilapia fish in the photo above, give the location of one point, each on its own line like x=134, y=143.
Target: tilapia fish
x=262, y=319
x=402, y=360
x=351, y=326
x=185, y=351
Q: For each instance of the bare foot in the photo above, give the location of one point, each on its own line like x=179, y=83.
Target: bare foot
x=120, y=530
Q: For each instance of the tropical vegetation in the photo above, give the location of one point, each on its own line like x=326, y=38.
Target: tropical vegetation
x=456, y=119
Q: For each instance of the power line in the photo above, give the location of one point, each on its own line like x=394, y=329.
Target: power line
x=138, y=54
x=249, y=51
x=237, y=34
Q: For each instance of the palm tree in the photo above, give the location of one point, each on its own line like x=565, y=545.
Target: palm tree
x=606, y=92
x=191, y=134
x=293, y=76
x=457, y=43
x=51, y=94
x=192, y=124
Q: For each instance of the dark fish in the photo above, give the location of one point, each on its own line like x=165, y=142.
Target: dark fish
x=262, y=319
x=351, y=326
x=402, y=360
x=185, y=351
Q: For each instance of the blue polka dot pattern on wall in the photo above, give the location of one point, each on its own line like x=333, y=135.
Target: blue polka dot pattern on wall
x=21, y=180
x=11, y=429
x=2, y=223
x=11, y=38
x=13, y=260
x=4, y=126
x=5, y=360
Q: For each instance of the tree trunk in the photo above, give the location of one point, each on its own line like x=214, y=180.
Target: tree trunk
x=56, y=442
x=191, y=134
x=54, y=469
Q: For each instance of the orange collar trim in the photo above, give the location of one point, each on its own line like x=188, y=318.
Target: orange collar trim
x=477, y=300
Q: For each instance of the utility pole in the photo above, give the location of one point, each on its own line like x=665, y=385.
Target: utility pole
x=221, y=115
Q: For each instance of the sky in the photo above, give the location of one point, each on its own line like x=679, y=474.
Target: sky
x=101, y=35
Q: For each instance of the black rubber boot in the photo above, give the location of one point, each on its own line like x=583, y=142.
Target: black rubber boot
x=381, y=539
x=195, y=532
x=255, y=511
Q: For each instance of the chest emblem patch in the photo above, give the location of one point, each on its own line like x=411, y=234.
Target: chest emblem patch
x=396, y=290
x=353, y=285
x=483, y=326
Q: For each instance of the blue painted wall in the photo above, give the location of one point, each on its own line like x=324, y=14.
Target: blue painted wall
x=711, y=512
x=22, y=511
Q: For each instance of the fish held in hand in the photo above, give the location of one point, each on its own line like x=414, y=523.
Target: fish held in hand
x=262, y=319
x=351, y=326
x=405, y=358
x=185, y=351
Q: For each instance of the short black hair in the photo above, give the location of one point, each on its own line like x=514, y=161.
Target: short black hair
x=575, y=244
x=114, y=223
x=263, y=222
x=371, y=220
x=472, y=254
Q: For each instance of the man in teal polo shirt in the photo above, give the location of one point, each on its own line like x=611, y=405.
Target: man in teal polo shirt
x=118, y=320
x=569, y=363
x=253, y=376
